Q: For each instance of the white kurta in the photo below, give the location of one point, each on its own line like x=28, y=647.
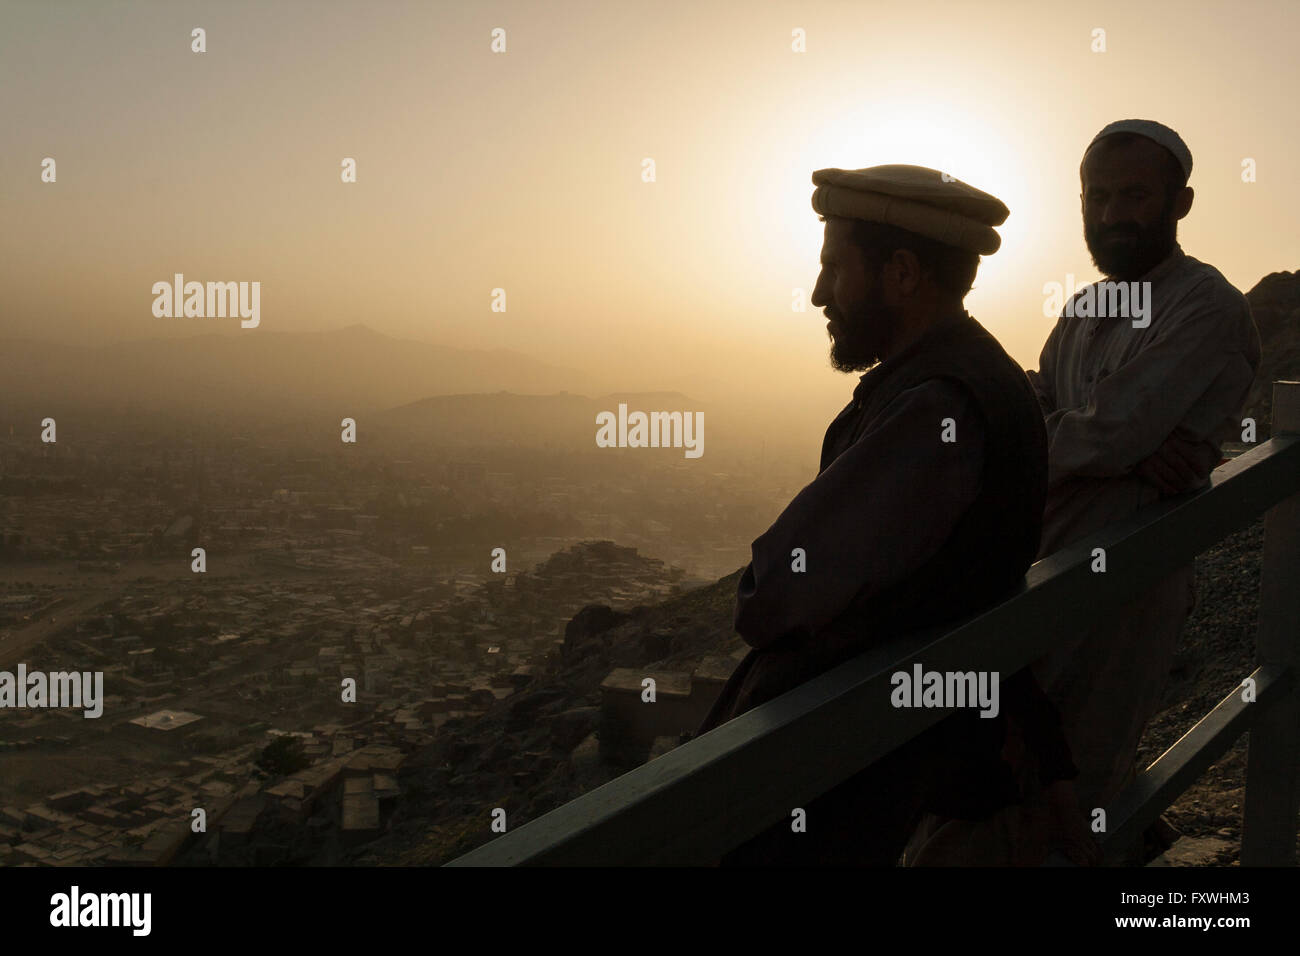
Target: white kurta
x=1111, y=395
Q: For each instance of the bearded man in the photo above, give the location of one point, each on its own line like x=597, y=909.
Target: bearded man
x=1136, y=408
x=1135, y=411
x=926, y=508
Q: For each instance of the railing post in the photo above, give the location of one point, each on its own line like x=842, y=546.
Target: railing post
x=1272, y=798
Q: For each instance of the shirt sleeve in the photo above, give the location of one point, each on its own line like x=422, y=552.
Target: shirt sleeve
x=1139, y=405
x=873, y=516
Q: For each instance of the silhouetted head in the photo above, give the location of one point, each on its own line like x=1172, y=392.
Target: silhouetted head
x=878, y=281
x=901, y=248
x=1134, y=191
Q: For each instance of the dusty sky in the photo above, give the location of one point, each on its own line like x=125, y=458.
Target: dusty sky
x=523, y=170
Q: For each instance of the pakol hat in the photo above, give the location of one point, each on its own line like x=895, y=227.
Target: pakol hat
x=913, y=198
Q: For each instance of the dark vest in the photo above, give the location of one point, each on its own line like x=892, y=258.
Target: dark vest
x=996, y=541
x=955, y=765
x=985, y=558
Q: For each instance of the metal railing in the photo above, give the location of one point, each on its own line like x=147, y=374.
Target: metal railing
x=711, y=794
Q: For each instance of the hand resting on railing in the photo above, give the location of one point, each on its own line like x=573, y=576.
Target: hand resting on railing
x=1178, y=465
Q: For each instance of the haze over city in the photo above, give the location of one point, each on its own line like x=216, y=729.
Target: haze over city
x=376, y=552
x=522, y=170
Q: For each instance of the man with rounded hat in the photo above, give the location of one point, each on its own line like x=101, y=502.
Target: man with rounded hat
x=926, y=507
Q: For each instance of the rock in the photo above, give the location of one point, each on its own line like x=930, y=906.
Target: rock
x=588, y=770
x=458, y=751
x=523, y=712
x=586, y=627
x=1196, y=851
x=569, y=727
x=657, y=644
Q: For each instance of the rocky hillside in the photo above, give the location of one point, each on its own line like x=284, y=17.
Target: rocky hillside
x=538, y=749
x=1275, y=304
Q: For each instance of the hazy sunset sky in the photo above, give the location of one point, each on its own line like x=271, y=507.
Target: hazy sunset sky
x=522, y=170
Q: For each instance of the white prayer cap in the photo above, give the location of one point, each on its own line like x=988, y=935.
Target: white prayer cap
x=1156, y=132
x=914, y=198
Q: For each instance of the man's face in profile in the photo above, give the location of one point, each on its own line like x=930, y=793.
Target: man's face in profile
x=861, y=324
x=1128, y=212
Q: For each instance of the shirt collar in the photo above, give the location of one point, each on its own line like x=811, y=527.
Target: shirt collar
x=881, y=368
x=1166, y=266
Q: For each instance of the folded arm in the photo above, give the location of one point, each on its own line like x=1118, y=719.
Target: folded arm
x=1140, y=405
x=873, y=516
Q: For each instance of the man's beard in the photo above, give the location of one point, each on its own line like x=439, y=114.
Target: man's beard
x=1131, y=260
x=861, y=337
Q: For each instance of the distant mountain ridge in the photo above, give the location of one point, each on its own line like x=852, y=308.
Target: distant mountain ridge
x=351, y=369
x=562, y=419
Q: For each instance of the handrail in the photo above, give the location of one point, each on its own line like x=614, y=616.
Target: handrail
x=707, y=796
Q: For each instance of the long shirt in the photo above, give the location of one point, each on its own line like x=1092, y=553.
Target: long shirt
x=1111, y=393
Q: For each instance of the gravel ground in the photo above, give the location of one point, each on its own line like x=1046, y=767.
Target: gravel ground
x=1216, y=650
